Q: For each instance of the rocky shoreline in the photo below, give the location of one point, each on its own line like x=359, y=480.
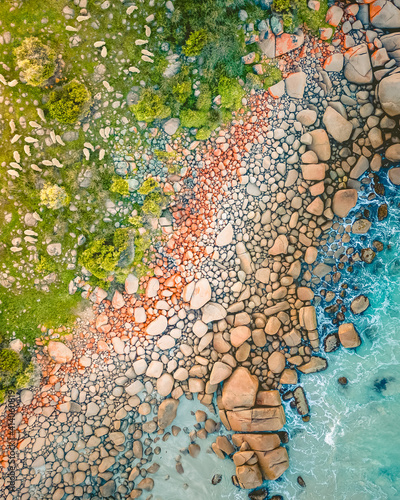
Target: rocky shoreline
x=229, y=316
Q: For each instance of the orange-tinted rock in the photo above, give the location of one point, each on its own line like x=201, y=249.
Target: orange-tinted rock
x=268, y=398
x=257, y=419
x=59, y=352
x=257, y=442
x=348, y=336
x=273, y=463
x=240, y=390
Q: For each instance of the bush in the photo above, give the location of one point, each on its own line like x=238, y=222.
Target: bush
x=313, y=19
x=120, y=186
x=254, y=81
x=148, y=186
x=195, y=43
x=281, y=5
x=203, y=134
x=36, y=60
x=204, y=100
x=153, y=204
x=231, y=93
x=69, y=102
x=272, y=75
x=151, y=106
x=288, y=23
x=193, y=118
x=53, y=196
x=10, y=362
x=101, y=257
x=182, y=90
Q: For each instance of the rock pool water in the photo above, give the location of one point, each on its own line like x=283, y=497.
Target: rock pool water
x=349, y=450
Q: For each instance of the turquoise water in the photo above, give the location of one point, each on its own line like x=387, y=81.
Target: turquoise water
x=350, y=448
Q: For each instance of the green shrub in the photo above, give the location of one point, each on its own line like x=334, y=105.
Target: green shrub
x=100, y=258
x=153, y=204
x=136, y=221
x=231, y=93
x=193, y=118
x=121, y=238
x=70, y=102
x=254, y=81
x=195, y=43
x=102, y=255
x=215, y=118
x=272, y=75
x=182, y=90
x=10, y=362
x=53, y=196
x=288, y=23
x=151, y=106
x=120, y=186
x=281, y=5
x=148, y=186
x=204, y=100
x=24, y=379
x=142, y=244
x=36, y=60
x=203, y=134
x=312, y=18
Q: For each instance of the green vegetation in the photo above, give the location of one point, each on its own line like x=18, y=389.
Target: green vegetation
x=193, y=118
x=195, y=43
x=70, y=102
x=36, y=61
x=120, y=186
x=231, y=93
x=151, y=106
x=10, y=363
x=148, y=186
x=272, y=75
x=53, y=196
x=102, y=255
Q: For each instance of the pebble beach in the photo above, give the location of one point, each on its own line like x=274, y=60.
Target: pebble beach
x=207, y=378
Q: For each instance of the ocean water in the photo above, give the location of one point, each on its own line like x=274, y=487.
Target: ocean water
x=350, y=448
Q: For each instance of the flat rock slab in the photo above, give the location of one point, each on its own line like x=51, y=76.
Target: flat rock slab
x=257, y=419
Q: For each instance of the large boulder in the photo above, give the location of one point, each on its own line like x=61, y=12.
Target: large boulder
x=320, y=144
x=393, y=153
x=394, y=175
x=273, y=463
x=336, y=125
x=295, y=85
x=201, y=294
x=220, y=371
x=287, y=42
x=59, y=352
x=167, y=412
x=348, y=336
x=389, y=94
x=384, y=14
x=257, y=442
x=264, y=419
x=249, y=476
x=225, y=237
x=343, y=201
x=357, y=67
x=276, y=362
x=359, y=304
x=240, y=390
x=212, y=311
